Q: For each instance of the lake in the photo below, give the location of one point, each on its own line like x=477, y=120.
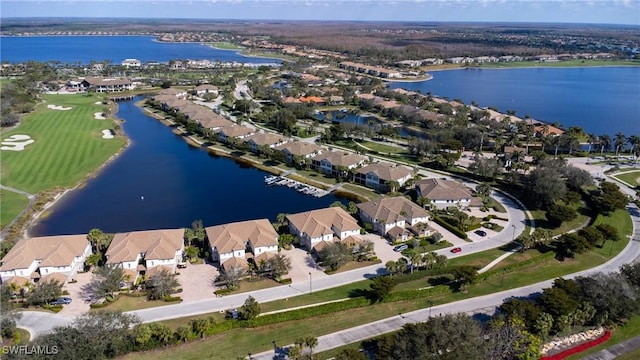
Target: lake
x=602, y=100
x=84, y=49
x=160, y=181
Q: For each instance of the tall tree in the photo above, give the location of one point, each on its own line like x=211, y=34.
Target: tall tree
x=619, y=140
x=381, y=287
x=250, y=309
x=161, y=284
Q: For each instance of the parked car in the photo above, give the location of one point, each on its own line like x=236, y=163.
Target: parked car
x=481, y=232
x=456, y=250
x=61, y=301
x=400, y=247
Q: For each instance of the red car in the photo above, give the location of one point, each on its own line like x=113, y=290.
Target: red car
x=456, y=250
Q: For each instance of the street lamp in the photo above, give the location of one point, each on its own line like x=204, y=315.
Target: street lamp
x=430, y=306
x=310, y=282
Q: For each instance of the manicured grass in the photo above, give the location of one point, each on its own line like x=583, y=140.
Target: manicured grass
x=68, y=145
x=540, y=218
x=11, y=204
x=622, y=333
x=382, y=148
x=130, y=303
x=227, y=46
x=631, y=178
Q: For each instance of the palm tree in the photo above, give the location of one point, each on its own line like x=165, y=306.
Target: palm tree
x=392, y=267
x=605, y=143
x=311, y=342
x=592, y=139
x=634, y=141
x=416, y=259
x=619, y=141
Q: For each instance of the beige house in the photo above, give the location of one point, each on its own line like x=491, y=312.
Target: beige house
x=381, y=176
x=330, y=224
x=335, y=163
x=230, y=241
x=102, y=85
x=258, y=140
x=388, y=213
x=299, y=149
x=206, y=89
x=444, y=193
x=233, y=132
x=38, y=257
x=141, y=251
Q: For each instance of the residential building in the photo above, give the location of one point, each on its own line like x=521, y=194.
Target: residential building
x=129, y=63
x=35, y=258
x=388, y=213
x=232, y=240
x=102, y=85
x=299, y=149
x=383, y=176
x=206, y=89
x=233, y=131
x=330, y=224
x=444, y=193
x=336, y=163
x=179, y=93
x=140, y=251
x=261, y=139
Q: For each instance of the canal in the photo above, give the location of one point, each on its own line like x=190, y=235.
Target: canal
x=160, y=181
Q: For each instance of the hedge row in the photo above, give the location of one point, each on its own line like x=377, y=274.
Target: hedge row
x=517, y=266
x=172, y=299
x=421, y=274
x=223, y=291
x=285, y=281
x=491, y=216
x=457, y=232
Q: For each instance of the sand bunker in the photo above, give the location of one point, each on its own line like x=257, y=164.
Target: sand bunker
x=98, y=102
x=58, y=107
x=98, y=116
x=16, y=142
x=107, y=134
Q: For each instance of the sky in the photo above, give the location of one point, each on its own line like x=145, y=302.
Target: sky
x=550, y=11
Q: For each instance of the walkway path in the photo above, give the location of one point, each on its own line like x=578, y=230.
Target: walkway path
x=615, y=350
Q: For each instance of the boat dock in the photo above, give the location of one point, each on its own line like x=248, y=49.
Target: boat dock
x=303, y=188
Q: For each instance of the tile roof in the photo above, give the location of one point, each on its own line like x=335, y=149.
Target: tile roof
x=340, y=158
x=386, y=171
x=299, y=148
x=392, y=209
x=319, y=222
x=50, y=250
x=438, y=189
x=229, y=237
x=235, y=262
x=235, y=130
x=265, y=138
x=59, y=277
x=155, y=244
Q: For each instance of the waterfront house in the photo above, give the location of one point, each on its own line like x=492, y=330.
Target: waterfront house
x=103, y=85
x=140, y=251
x=298, y=149
x=212, y=121
x=37, y=257
x=337, y=163
x=233, y=131
x=444, y=193
x=330, y=224
x=131, y=63
x=383, y=176
x=232, y=240
x=179, y=93
x=260, y=140
x=388, y=213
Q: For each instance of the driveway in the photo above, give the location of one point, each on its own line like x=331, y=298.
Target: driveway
x=301, y=265
x=384, y=250
x=78, y=306
x=197, y=282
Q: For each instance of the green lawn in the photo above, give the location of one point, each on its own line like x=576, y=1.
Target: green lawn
x=11, y=205
x=68, y=146
x=631, y=178
x=129, y=303
x=227, y=46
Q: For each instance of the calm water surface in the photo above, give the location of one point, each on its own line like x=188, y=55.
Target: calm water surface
x=602, y=100
x=84, y=49
x=160, y=181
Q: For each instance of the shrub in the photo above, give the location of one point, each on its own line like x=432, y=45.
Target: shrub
x=223, y=291
x=172, y=299
x=457, y=232
x=285, y=281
